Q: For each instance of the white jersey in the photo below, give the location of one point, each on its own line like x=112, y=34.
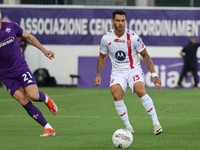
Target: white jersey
x=123, y=51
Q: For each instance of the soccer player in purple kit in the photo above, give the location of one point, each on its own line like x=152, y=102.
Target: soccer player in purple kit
x=17, y=76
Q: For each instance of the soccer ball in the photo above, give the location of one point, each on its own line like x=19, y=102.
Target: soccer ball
x=122, y=138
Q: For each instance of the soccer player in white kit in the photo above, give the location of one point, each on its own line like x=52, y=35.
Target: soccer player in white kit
x=123, y=47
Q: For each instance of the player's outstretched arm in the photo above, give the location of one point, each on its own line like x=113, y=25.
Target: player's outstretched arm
x=33, y=41
x=100, y=65
x=149, y=64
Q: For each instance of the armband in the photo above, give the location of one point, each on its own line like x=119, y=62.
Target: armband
x=98, y=74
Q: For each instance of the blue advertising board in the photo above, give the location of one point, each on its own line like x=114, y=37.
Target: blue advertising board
x=168, y=70
x=85, y=26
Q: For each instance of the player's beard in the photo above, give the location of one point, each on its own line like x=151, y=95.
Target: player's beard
x=119, y=30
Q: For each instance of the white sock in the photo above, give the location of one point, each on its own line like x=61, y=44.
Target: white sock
x=47, y=126
x=122, y=112
x=149, y=107
x=46, y=99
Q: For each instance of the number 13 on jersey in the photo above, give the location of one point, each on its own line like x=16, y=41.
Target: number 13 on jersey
x=136, y=77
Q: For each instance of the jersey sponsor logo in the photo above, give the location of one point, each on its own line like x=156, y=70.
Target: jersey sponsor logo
x=119, y=41
x=109, y=43
x=120, y=55
x=7, y=41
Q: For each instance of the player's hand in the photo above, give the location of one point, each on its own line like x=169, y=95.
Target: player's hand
x=97, y=80
x=49, y=54
x=157, y=82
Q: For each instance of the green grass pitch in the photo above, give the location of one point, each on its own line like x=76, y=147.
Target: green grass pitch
x=87, y=119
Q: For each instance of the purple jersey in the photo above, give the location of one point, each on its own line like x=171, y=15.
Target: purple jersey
x=11, y=57
x=14, y=69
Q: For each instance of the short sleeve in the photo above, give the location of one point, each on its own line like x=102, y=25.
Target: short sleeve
x=18, y=29
x=138, y=43
x=103, y=46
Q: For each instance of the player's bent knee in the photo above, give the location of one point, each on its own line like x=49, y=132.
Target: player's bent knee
x=34, y=97
x=23, y=102
x=117, y=96
x=140, y=92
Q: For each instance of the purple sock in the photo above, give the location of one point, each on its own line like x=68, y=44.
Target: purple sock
x=41, y=97
x=35, y=113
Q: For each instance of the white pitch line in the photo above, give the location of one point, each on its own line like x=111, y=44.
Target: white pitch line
x=6, y=100
x=75, y=94
x=61, y=95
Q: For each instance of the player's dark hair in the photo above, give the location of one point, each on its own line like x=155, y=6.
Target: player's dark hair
x=119, y=12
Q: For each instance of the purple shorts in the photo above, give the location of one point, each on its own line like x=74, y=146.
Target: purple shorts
x=22, y=78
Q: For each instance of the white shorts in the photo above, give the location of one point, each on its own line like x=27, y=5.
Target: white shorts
x=127, y=78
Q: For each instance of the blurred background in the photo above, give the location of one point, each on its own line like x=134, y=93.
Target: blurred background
x=73, y=30
x=177, y=3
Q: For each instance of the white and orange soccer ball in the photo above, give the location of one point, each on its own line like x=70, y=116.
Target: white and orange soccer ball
x=122, y=138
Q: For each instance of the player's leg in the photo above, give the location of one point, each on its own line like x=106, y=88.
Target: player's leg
x=139, y=89
x=183, y=74
x=121, y=108
x=194, y=69
x=33, y=111
x=29, y=84
x=38, y=96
